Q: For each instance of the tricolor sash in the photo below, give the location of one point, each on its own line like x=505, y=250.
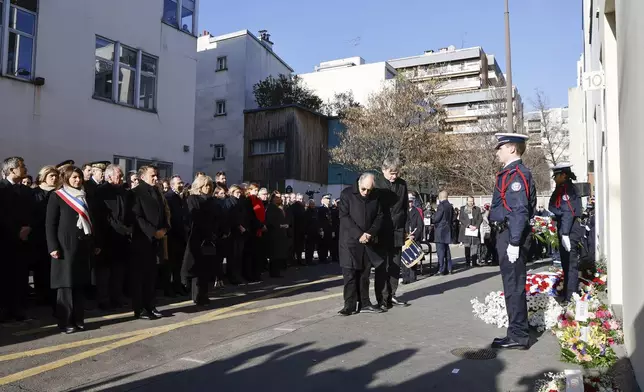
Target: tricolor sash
x=77, y=205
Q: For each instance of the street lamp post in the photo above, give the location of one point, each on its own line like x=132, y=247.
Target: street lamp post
x=508, y=66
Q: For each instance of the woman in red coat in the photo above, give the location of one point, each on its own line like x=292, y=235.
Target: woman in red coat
x=258, y=245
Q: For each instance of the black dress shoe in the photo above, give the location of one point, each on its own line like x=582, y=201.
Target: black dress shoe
x=156, y=313
x=80, y=326
x=396, y=302
x=383, y=307
x=345, y=312
x=69, y=330
x=510, y=344
x=202, y=301
x=371, y=309
x=145, y=315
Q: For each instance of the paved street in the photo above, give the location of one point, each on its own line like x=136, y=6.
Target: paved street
x=281, y=335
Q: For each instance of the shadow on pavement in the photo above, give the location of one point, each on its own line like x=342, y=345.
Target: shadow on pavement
x=442, y=287
x=278, y=367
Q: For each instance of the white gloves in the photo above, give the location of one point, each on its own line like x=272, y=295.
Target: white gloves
x=513, y=253
x=565, y=241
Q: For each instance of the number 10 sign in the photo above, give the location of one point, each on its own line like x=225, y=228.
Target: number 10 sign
x=593, y=80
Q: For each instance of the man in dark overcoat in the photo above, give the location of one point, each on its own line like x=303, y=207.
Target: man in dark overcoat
x=116, y=228
x=442, y=221
x=150, y=226
x=325, y=224
x=177, y=238
x=360, y=220
x=470, y=218
x=19, y=214
x=393, y=196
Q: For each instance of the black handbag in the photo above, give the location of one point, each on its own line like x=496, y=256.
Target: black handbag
x=208, y=248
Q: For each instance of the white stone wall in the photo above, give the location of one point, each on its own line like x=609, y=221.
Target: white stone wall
x=248, y=62
x=61, y=120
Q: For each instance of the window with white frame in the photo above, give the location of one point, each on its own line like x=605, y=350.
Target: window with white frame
x=136, y=70
x=220, y=108
x=219, y=152
x=18, y=21
x=222, y=63
x=180, y=14
x=269, y=146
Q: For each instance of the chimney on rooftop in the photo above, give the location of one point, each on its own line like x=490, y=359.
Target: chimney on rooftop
x=205, y=32
x=430, y=51
x=265, y=39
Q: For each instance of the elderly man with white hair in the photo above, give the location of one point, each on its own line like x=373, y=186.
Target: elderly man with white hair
x=360, y=220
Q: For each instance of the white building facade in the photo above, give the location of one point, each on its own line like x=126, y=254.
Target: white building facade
x=348, y=75
x=550, y=131
x=59, y=99
x=228, y=67
x=613, y=32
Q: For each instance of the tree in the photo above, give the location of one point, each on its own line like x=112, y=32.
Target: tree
x=400, y=121
x=285, y=90
x=554, y=140
x=471, y=164
x=339, y=104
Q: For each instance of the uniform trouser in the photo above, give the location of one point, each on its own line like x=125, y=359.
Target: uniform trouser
x=143, y=280
x=298, y=247
x=356, y=287
x=444, y=258
x=387, y=275
x=514, y=276
x=570, y=260
x=109, y=282
x=335, y=249
x=70, y=309
x=324, y=245
x=309, y=248
x=172, y=274
x=408, y=274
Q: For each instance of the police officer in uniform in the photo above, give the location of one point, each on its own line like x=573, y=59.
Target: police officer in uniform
x=565, y=204
x=513, y=204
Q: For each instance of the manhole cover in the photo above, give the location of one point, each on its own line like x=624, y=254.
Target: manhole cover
x=474, y=353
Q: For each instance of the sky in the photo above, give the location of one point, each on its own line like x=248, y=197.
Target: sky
x=546, y=34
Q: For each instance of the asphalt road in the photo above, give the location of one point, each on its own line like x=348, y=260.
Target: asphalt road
x=281, y=335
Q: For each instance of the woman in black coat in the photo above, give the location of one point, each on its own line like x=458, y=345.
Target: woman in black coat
x=470, y=217
x=47, y=181
x=70, y=235
x=199, y=257
x=277, y=223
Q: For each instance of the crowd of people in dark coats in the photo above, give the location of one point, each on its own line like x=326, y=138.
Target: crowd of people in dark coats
x=90, y=232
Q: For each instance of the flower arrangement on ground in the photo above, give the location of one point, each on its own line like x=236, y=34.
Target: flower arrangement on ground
x=545, y=231
x=556, y=382
x=550, y=283
x=588, y=343
x=543, y=310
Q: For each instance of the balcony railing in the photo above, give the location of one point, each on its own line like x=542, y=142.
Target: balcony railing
x=434, y=71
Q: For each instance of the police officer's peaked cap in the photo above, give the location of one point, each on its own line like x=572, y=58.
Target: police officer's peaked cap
x=504, y=138
x=411, y=197
x=65, y=163
x=100, y=164
x=561, y=168
x=326, y=196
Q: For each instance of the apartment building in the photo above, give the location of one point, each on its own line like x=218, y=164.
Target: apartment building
x=102, y=87
x=348, y=75
x=610, y=102
x=228, y=66
x=550, y=131
x=470, y=81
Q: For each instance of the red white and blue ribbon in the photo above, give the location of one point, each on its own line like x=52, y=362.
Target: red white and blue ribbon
x=77, y=205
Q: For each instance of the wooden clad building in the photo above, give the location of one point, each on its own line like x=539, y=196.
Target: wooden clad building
x=285, y=143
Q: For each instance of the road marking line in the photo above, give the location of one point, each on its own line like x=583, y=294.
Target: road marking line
x=149, y=334
x=285, y=329
x=129, y=314
x=193, y=360
x=210, y=316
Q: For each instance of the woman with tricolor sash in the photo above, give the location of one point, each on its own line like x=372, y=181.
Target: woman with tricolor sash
x=70, y=235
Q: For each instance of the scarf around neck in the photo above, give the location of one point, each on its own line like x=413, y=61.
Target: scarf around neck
x=46, y=188
x=76, y=199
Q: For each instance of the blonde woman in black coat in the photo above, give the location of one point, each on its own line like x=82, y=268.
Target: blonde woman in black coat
x=70, y=235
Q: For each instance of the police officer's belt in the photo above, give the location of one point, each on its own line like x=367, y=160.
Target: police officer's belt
x=499, y=226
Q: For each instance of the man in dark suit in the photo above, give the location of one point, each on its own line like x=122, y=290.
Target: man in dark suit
x=97, y=178
x=393, y=196
x=360, y=220
x=442, y=221
x=326, y=229
x=296, y=211
x=18, y=206
x=116, y=229
x=150, y=226
x=335, y=223
x=177, y=237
